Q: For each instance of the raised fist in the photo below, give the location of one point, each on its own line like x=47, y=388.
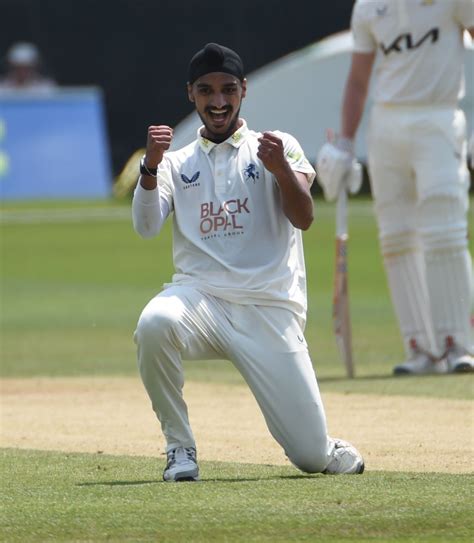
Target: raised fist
x=271, y=152
x=158, y=141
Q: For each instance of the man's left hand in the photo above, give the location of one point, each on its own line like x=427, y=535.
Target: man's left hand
x=271, y=153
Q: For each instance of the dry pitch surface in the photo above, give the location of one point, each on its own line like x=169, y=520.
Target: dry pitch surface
x=113, y=416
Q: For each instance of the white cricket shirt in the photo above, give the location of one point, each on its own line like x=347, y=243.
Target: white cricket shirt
x=231, y=238
x=419, y=48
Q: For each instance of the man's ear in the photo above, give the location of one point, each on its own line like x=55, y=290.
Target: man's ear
x=190, y=92
x=244, y=88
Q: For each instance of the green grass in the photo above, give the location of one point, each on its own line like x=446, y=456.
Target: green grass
x=73, y=286
x=74, y=278
x=72, y=291
x=80, y=497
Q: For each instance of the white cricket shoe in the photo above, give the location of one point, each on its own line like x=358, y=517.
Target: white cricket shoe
x=458, y=359
x=181, y=465
x=345, y=459
x=420, y=363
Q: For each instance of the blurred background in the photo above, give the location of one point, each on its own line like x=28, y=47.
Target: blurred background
x=135, y=54
x=106, y=70
x=74, y=275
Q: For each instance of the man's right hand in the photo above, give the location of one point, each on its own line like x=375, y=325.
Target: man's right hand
x=158, y=141
x=337, y=170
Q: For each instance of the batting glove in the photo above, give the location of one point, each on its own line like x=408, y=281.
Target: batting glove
x=338, y=169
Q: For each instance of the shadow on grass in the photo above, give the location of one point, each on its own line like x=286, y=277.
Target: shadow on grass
x=385, y=377
x=202, y=481
x=121, y=483
x=342, y=378
x=262, y=478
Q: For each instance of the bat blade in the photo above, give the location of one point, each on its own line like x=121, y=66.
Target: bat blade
x=341, y=310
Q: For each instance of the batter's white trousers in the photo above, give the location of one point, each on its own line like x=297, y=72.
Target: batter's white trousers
x=265, y=344
x=420, y=182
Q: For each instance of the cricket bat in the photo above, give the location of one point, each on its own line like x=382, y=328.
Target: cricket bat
x=341, y=312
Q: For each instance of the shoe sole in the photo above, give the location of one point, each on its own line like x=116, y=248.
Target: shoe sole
x=359, y=471
x=185, y=480
x=402, y=372
x=463, y=367
x=184, y=476
x=460, y=368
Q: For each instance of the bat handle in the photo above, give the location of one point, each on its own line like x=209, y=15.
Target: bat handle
x=341, y=214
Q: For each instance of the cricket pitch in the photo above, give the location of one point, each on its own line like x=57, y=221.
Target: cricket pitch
x=113, y=416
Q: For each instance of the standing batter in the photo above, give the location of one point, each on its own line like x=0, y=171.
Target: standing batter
x=418, y=168
x=239, y=200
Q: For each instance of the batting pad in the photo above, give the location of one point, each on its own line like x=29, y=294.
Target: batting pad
x=448, y=268
x=406, y=279
x=449, y=279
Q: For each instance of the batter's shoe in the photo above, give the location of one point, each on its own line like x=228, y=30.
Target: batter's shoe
x=181, y=465
x=421, y=363
x=458, y=359
x=345, y=459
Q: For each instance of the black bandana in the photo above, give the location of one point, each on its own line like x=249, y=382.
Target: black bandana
x=215, y=58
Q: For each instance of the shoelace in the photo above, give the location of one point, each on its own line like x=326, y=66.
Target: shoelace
x=176, y=455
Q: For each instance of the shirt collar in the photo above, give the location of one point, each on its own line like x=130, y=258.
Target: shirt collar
x=236, y=139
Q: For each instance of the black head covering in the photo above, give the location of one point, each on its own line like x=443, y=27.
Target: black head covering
x=215, y=58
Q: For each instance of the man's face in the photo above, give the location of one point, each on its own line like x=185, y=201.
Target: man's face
x=217, y=97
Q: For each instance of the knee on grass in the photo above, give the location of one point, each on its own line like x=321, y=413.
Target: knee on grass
x=311, y=461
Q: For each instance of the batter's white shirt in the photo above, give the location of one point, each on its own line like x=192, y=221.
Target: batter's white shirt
x=419, y=47
x=231, y=238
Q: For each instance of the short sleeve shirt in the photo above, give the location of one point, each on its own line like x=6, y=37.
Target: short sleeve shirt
x=419, y=47
x=231, y=238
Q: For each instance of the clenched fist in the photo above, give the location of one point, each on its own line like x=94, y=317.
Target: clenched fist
x=271, y=153
x=158, y=141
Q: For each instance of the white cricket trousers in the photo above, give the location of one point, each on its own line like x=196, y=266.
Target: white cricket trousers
x=420, y=182
x=266, y=345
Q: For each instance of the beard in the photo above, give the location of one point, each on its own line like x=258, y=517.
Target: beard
x=218, y=137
